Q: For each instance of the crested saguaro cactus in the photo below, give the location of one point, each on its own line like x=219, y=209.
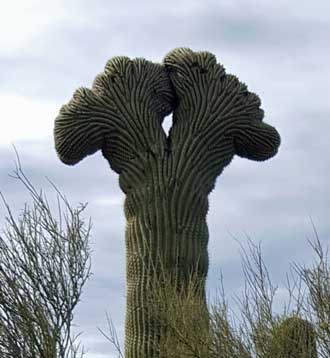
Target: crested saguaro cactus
x=166, y=179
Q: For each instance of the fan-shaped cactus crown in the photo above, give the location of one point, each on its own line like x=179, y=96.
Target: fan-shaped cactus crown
x=104, y=117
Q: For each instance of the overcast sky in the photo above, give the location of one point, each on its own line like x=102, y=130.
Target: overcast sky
x=279, y=49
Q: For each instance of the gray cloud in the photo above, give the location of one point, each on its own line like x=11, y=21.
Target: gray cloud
x=72, y=52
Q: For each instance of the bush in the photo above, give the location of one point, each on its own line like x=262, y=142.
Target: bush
x=44, y=264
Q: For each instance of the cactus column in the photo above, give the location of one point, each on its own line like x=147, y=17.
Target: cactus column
x=166, y=179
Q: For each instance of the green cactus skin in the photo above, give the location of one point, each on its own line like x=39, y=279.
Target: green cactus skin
x=166, y=179
x=294, y=337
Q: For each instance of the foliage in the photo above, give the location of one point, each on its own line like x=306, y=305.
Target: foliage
x=44, y=264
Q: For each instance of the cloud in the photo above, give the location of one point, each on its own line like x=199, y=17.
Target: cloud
x=25, y=118
x=78, y=38
x=25, y=22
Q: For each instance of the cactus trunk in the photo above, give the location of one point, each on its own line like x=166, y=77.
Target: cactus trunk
x=166, y=226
